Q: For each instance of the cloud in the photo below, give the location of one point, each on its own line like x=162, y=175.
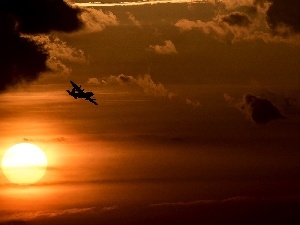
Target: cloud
x=96, y=20
x=58, y=139
x=22, y=58
x=192, y=103
x=167, y=49
x=27, y=216
x=45, y=16
x=228, y=201
x=284, y=14
x=288, y=103
x=206, y=202
x=237, y=19
x=58, y=51
x=140, y=3
x=233, y=4
x=93, y=81
x=132, y=18
x=109, y=208
x=149, y=87
x=223, y=28
x=152, y=88
x=145, y=82
x=259, y=110
x=250, y=20
x=279, y=13
x=26, y=47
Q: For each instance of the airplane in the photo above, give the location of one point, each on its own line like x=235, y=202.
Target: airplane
x=77, y=92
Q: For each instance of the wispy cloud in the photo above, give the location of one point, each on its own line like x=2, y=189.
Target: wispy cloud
x=204, y=202
x=58, y=139
x=132, y=18
x=145, y=82
x=227, y=201
x=147, y=85
x=192, y=103
x=139, y=3
x=31, y=215
x=109, y=208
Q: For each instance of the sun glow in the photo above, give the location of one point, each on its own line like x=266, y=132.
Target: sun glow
x=24, y=163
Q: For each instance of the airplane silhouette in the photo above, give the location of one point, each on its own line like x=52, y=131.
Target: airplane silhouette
x=77, y=92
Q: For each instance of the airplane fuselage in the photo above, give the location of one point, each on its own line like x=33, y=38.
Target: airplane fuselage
x=86, y=95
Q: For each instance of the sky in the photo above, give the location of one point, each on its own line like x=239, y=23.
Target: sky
x=198, y=119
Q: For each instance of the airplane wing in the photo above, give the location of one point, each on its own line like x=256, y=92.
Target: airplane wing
x=77, y=88
x=92, y=101
x=71, y=93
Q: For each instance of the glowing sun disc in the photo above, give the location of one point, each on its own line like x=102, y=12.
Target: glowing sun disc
x=24, y=163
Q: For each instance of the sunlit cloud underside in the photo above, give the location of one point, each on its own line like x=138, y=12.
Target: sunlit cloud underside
x=138, y=3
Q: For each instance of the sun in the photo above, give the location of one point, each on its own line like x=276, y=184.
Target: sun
x=24, y=163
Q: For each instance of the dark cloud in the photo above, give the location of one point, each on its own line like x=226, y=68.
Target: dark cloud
x=23, y=59
x=42, y=16
x=237, y=19
x=288, y=103
x=284, y=13
x=125, y=78
x=260, y=110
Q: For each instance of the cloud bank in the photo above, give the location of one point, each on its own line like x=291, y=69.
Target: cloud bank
x=22, y=58
x=267, y=20
x=139, y=3
x=26, y=49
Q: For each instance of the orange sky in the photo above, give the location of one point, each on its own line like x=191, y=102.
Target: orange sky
x=197, y=122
